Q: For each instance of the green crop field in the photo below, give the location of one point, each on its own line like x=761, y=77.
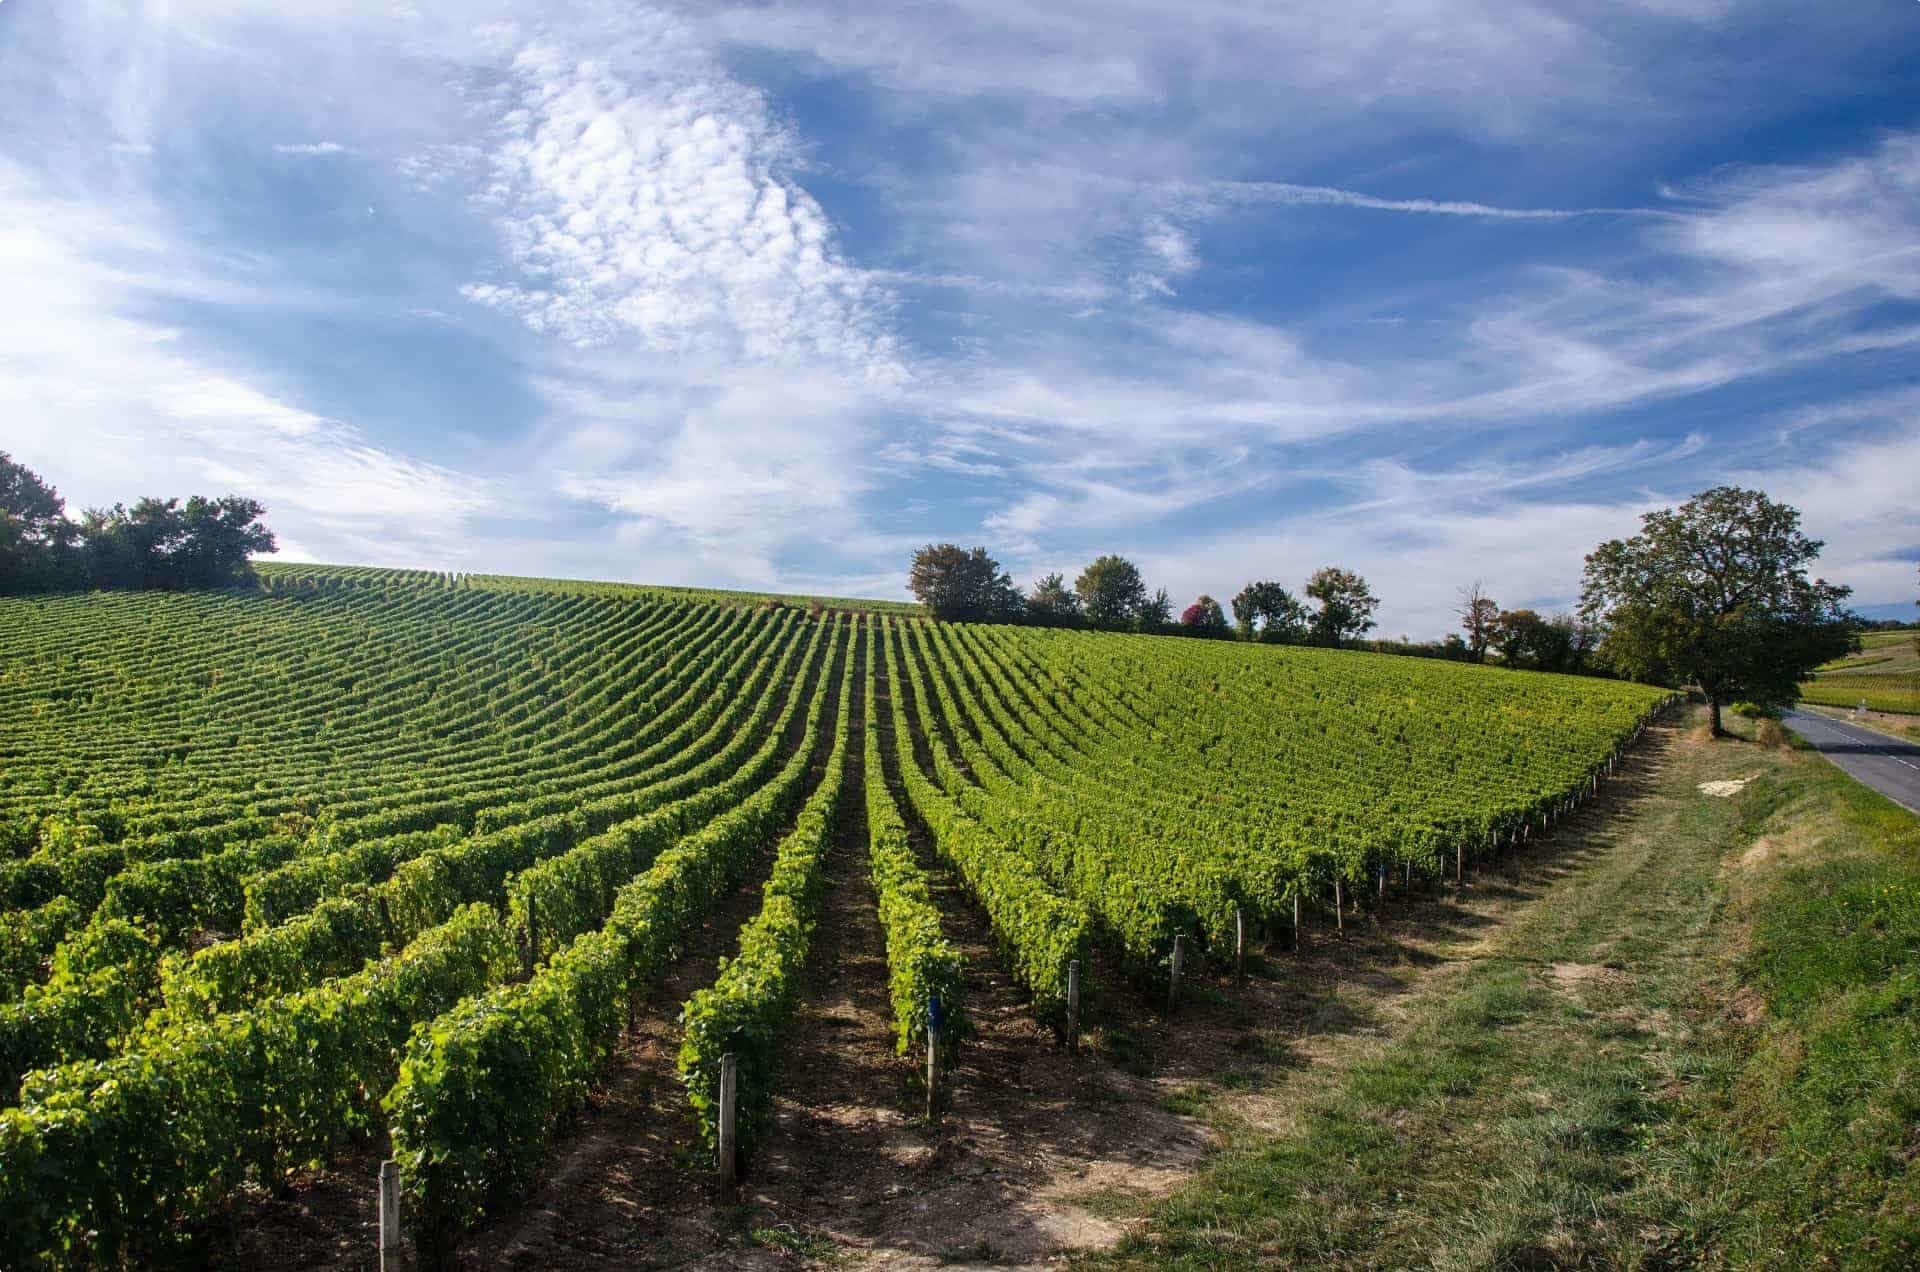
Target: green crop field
x=369, y=856
x=1884, y=675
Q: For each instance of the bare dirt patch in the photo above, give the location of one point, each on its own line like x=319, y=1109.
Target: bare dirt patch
x=1726, y=788
x=1747, y=1006
x=1567, y=975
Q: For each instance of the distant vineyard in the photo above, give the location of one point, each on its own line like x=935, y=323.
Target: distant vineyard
x=1884, y=675
x=285, y=577
x=383, y=853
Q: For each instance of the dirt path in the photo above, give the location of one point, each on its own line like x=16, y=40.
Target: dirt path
x=1500, y=1117
x=627, y=1155
x=1042, y=1153
x=617, y=1193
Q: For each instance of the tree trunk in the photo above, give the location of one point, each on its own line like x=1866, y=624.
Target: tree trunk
x=1713, y=714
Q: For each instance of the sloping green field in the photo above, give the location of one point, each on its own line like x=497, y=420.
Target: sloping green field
x=1883, y=676
x=372, y=853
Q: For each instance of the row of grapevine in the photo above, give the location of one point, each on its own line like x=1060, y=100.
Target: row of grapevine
x=401, y=852
x=742, y=1012
x=480, y=1091
x=184, y=1072
x=87, y=1015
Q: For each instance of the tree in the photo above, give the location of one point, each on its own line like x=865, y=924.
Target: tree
x=35, y=535
x=1205, y=618
x=1346, y=605
x=961, y=586
x=1052, y=603
x=1551, y=644
x=1715, y=593
x=1477, y=612
x=157, y=543
x=1266, y=611
x=220, y=535
x=1577, y=637
x=1512, y=634
x=1111, y=592
x=1157, y=614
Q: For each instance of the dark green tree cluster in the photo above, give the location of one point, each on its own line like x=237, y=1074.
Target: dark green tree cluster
x=1559, y=642
x=157, y=543
x=1266, y=611
x=1713, y=594
x=957, y=585
x=1110, y=594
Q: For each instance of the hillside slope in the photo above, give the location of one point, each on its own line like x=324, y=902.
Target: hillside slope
x=254, y=839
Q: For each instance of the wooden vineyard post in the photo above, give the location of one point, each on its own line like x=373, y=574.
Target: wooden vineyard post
x=1460, y=861
x=1299, y=928
x=1073, y=1005
x=934, y=1023
x=1179, y=964
x=389, y=1216
x=533, y=935
x=1239, y=946
x=1339, y=904
x=729, y=1111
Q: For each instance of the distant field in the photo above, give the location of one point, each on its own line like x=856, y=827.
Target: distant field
x=280, y=576
x=1884, y=675
x=378, y=856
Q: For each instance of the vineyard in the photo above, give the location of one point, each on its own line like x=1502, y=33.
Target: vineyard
x=393, y=858
x=1884, y=675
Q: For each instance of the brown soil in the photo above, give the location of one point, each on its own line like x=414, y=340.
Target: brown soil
x=1037, y=1148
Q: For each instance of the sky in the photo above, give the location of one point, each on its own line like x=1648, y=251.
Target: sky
x=766, y=296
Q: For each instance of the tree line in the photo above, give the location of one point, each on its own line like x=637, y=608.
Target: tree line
x=1714, y=594
x=956, y=584
x=166, y=544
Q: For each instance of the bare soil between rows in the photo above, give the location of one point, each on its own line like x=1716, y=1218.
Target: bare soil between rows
x=1039, y=1152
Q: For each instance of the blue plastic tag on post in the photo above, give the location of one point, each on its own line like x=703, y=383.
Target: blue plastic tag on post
x=936, y=1019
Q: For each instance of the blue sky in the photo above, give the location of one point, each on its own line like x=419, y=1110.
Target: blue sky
x=766, y=296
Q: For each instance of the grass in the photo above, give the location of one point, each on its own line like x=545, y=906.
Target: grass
x=806, y=1245
x=1700, y=1047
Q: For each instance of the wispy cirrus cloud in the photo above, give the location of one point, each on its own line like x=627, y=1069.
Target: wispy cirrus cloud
x=120, y=405
x=1289, y=194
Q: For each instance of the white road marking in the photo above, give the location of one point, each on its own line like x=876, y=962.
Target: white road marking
x=1856, y=735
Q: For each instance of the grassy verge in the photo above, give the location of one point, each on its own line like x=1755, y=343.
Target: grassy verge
x=1698, y=1047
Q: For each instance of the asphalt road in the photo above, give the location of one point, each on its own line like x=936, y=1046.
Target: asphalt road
x=1887, y=765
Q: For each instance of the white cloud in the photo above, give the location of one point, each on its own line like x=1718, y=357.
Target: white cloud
x=115, y=406
x=1172, y=246
x=1289, y=194
x=727, y=378
x=1419, y=536
x=1492, y=64
x=647, y=198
